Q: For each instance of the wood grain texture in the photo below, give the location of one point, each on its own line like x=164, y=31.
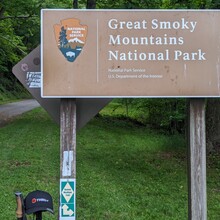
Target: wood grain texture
x=197, y=161
x=68, y=136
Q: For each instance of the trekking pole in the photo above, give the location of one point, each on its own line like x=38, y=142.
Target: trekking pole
x=20, y=207
x=38, y=215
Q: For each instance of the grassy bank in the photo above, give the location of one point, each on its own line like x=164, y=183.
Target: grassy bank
x=124, y=171
x=11, y=91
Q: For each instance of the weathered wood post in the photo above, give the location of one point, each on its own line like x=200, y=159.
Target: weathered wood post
x=197, y=160
x=67, y=159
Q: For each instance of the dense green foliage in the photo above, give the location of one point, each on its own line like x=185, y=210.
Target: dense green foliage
x=19, y=34
x=151, y=113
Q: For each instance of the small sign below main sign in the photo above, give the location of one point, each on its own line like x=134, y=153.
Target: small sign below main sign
x=130, y=53
x=67, y=199
x=34, y=79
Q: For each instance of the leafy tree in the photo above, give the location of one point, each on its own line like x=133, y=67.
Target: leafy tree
x=12, y=48
x=91, y=4
x=129, y=4
x=215, y=4
x=75, y=4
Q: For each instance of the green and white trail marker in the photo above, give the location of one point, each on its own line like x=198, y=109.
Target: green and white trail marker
x=67, y=199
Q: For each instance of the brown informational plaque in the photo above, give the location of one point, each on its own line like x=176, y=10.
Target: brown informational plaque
x=130, y=53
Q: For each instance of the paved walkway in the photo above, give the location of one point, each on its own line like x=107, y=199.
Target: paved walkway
x=11, y=110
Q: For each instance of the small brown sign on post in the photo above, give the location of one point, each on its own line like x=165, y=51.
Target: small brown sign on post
x=122, y=53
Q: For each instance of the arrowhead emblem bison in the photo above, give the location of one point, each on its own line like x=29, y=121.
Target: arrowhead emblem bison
x=70, y=38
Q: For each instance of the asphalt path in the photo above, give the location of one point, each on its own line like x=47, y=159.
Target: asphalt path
x=11, y=110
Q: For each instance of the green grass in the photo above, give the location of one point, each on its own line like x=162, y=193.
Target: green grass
x=132, y=173
x=11, y=91
x=29, y=149
x=124, y=171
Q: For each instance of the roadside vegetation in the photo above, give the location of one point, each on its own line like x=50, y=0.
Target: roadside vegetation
x=11, y=91
x=124, y=169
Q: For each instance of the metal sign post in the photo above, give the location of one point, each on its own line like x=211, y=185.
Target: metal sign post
x=68, y=159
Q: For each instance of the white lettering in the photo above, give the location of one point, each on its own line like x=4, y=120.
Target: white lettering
x=112, y=55
x=143, y=56
x=168, y=25
x=135, y=56
x=125, y=40
x=115, y=40
x=151, y=40
x=179, y=55
x=193, y=25
x=154, y=23
x=112, y=24
x=137, y=25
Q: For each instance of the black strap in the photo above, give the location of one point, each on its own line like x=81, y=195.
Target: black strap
x=23, y=210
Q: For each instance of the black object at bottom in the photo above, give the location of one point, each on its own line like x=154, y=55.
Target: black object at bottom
x=38, y=215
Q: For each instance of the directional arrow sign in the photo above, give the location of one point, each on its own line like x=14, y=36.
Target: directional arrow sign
x=28, y=73
x=67, y=210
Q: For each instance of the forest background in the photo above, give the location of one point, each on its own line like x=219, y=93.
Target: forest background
x=20, y=34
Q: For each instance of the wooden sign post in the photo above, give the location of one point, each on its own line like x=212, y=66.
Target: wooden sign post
x=131, y=53
x=68, y=159
x=197, y=161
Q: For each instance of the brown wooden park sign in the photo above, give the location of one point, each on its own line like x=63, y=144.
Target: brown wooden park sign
x=90, y=54
x=136, y=53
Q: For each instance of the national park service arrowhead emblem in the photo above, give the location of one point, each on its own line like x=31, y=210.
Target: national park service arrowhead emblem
x=70, y=38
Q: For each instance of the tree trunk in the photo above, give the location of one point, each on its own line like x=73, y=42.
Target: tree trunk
x=75, y=4
x=2, y=10
x=213, y=125
x=91, y=4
